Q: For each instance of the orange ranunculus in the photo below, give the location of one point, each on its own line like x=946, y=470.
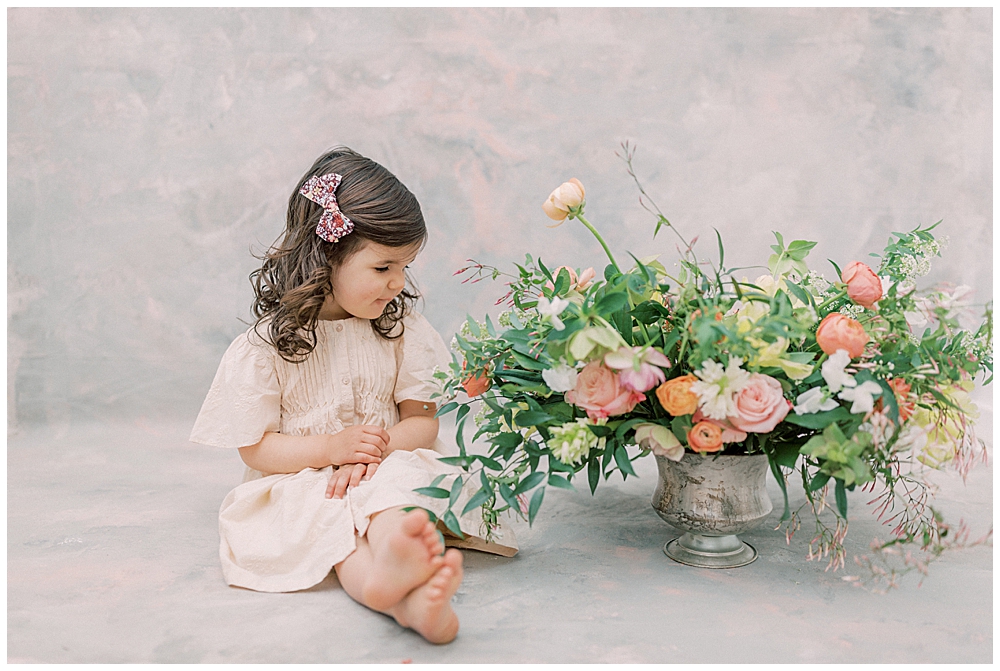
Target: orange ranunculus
x=676, y=397
x=863, y=285
x=901, y=390
x=476, y=384
x=705, y=437
x=564, y=200
x=838, y=331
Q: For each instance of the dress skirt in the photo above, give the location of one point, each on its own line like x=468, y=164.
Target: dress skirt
x=280, y=533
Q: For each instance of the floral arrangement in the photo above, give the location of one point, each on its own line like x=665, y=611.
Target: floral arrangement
x=860, y=382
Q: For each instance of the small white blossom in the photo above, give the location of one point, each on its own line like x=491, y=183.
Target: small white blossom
x=551, y=309
x=717, y=387
x=851, y=310
x=560, y=378
x=833, y=371
x=862, y=396
x=812, y=401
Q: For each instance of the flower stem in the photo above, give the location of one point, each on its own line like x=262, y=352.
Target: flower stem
x=836, y=297
x=600, y=240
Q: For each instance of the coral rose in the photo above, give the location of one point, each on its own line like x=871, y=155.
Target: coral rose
x=705, y=437
x=599, y=391
x=901, y=390
x=760, y=405
x=676, y=397
x=838, y=331
x=863, y=285
x=565, y=200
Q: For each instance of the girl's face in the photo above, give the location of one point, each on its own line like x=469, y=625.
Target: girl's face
x=367, y=281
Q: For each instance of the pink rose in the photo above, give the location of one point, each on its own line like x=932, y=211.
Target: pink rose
x=760, y=405
x=863, y=285
x=600, y=392
x=838, y=331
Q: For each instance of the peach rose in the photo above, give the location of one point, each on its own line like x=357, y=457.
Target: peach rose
x=838, y=331
x=575, y=283
x=476, y=384
x=705, y=437
x=760, y=405
x=564, y=200
x=601, y=394
x=863, y=285
x=676, y=397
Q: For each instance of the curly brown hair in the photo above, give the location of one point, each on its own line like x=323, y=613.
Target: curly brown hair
x=295, y=276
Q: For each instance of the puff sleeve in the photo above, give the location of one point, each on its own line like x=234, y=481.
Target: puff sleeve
x=244, y=401
x=422, y=351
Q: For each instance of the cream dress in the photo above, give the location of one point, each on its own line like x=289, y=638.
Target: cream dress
x=279, y=533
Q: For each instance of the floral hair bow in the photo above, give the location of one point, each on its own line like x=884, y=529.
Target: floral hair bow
x=333, y=224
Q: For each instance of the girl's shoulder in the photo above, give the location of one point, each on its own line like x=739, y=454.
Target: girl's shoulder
x=252, y=347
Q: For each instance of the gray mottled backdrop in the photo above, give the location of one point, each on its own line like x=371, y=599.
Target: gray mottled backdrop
x=149, y=150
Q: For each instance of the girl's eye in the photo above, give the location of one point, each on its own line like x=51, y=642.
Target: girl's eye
x=382, y=270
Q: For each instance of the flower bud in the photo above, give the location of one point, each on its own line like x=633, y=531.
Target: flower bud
x=863, y=285
x=565, y=200
x=838, y=331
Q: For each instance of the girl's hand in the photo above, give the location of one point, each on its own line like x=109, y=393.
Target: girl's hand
x=348, y=476
x=362, y=444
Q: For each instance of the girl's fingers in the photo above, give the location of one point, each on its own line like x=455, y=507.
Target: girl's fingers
x=370, y=471
x=378, y=431
x=357, y=472
x=365, y=458
x=374, y=441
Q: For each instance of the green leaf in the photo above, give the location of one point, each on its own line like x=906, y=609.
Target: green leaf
x=530, y=481
x=599, y=430
x=438, y=479
x=528, y=362
x=530, y=418
x=491, y=464
x=786, y=454
x=819, y=420
x=478, y=499
x=593, y=473
x=841, y=495
x=507, y=439
x=464, y=462
x=433, y=492
x=456, y=491
x=818, y=481
x=722, y=250
x=451, y=522
x=508, y=496
x=799, y=292
x=557, y=480
x=445, y=409
x=837, y=268
x=462, y=412
x=621, y=458
x=612, y=303
x=535, y=504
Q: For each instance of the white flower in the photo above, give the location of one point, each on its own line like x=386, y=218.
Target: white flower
x=660, y=440
x=572, y=442
x=561, y=377
x=863, y=396
x=552, y=309
x=812, y=401
x=718, y=386
x=915, y=320
x=833, y=371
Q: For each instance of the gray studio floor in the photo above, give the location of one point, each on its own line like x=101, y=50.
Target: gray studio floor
x=112, y=557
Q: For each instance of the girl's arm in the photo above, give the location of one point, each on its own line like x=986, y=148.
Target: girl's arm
x=278, y=453
x=417, y=426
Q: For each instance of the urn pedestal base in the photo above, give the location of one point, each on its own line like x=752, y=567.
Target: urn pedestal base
x=711, y=499
x=710, y=551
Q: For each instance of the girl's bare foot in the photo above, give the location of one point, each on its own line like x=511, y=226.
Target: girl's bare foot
x=427, y=609
x=402, y=560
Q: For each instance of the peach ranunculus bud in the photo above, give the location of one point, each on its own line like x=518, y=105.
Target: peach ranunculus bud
x=863, y=285
x=901, y=389
x=676, y=396
x=705, y=437
x=586, y=277
x=838, y=331
x=565, y=201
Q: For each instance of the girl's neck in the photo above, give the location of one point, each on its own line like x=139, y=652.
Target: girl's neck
x=333, y=312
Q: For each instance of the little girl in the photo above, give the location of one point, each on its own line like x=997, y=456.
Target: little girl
x=328, y=398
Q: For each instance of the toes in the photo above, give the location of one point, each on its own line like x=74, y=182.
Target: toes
x=415, y=521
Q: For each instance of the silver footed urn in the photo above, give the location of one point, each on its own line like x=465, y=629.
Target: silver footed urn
x=712, y=498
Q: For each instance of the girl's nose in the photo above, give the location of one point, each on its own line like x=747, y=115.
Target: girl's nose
x=397, y=283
